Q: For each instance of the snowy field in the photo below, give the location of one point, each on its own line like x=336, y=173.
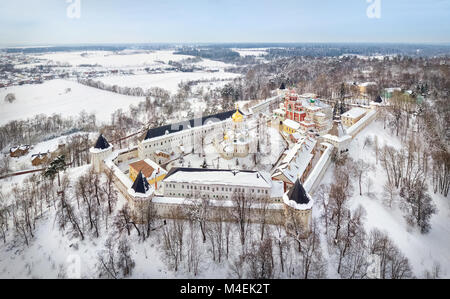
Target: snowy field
x=125, y=59
x=53, y=97
x=422, y=250
x=251, y=52
x=167, y=81
x=113, y=59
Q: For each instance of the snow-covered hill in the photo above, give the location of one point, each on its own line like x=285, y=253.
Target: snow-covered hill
x=168, y=81
x=422, y=250
x=63, y=97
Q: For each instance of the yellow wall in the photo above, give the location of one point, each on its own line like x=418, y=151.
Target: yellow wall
x=288, y=129
x=348, y=121
x=134, y=174
x=158, y=179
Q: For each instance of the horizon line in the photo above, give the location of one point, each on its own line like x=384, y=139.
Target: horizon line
x=49, y=45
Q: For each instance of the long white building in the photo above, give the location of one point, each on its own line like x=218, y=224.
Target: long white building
x=169, y=138
x=221, y=184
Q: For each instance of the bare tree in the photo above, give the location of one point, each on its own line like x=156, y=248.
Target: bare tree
x=115, y=260
x=419, y=205
x=109, y=190
x=263, y=214
x=360, y=169
x=173, y=240
x=441, y=172
x=241, y=213
x=4, y=213
x=199, y=211
x=193, y=253
x=351, y=246
x=260, y=260
x=389, y=193
x=123, y=221
x=393, y=264
x=312, y=264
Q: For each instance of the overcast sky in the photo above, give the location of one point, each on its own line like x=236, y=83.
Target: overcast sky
x=46, y=22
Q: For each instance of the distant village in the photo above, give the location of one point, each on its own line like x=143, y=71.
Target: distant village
x=20, y=69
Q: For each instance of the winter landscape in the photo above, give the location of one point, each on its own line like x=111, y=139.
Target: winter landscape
x=213, y=160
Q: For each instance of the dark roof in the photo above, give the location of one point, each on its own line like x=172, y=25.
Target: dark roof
x=177, y=169
x=178, y=127
x=283, y=86
x=379, y=100
x=298, y=194
x=102, y=143
x=141, y=184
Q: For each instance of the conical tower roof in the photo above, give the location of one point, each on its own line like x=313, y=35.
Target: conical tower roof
x=101, y=143
x=298, y=194
x=141, y=184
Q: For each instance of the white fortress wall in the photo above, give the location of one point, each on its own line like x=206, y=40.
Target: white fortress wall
x=362, y=123
x=314, y=179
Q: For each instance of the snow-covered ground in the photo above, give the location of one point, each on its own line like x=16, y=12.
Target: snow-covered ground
x=51, y=250
x=24, y=162
x=251, y=52
x=272, y=153
x=113, y=59
x=124, y=59
x=54, y=97
x=422, y=250
x=168, y=81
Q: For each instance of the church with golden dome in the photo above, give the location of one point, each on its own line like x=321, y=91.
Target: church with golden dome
x=234, y=142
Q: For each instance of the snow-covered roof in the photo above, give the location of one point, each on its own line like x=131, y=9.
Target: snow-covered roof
x=308, y=95
x=297, y=136
x=361, y=122
x=21, y=147
x=392, y=89
x=365, y=84
x=124, y=179
x=218, y=177
x=279, y=111
x=266, y=102
x=313, y=176
x=187, y=125
x=291, y=124
x=337, y=139
x=355, y=113
x=277, y=189
x=297, y=160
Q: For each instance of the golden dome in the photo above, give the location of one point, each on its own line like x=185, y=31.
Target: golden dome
x=226, y=137
x=237, y=117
